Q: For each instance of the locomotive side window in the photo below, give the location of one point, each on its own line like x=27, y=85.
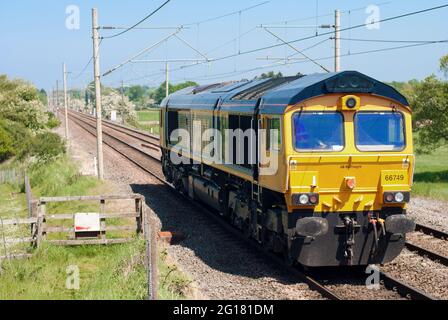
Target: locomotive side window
x=379, y=131
x=242, y=142
x=318, y=131
x=173, y=124
x=274, y=124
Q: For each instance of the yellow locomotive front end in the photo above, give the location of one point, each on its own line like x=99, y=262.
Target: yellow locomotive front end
x=350, y=163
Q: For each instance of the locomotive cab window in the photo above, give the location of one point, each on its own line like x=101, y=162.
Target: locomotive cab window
x=379, y=131
x=318, y=131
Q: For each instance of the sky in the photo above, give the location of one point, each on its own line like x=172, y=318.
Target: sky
x=36, y=37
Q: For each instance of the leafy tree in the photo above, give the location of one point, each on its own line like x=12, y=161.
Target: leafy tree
x=430, y=104
x=444, y=65
x=136, y=93
x=20, y=102
x=43, y=97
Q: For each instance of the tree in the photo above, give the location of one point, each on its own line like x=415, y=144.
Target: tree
x=136, y=93
x=430, y=104
x=20, y=102
x=43, y=96
x=444, y=65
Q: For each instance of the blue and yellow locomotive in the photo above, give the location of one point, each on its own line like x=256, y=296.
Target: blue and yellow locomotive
x=341, y=145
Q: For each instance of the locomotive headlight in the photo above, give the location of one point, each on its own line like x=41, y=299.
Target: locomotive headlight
x=351, y=103
x=304, y=199
x=399, y=197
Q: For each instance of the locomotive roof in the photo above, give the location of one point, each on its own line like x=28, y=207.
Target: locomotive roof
x=275, y=95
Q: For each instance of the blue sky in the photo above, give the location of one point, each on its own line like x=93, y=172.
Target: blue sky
x=34, y=40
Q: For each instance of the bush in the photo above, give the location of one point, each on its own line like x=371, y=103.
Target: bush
x=6, y=146
x=59, y=178
x=47, y=146
x=21, y=138
x=53, y=122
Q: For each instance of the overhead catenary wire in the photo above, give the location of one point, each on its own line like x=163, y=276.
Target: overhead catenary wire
x=86, y=66
x=297, y=50
x=324, y=34
x=151, y=47
x=227, y=14
x=386, y=40
x=327, y=33
x=138, y=23
x=316, y=17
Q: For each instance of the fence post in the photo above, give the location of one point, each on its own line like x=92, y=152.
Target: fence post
x=103, y=221
x=151, y=253
x=139, y=212
x=40, y=223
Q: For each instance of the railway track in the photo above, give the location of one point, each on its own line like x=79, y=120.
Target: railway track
x=425, y=251
x=120, y=138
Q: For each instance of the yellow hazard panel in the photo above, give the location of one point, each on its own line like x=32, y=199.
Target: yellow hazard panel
x=394, y=177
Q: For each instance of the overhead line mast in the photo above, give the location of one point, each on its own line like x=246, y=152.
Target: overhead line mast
x=96, y=67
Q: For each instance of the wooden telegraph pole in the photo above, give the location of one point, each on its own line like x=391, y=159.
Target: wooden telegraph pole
x=96, y=66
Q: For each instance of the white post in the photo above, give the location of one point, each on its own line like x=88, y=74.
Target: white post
x=337, y=39
x=65, y=101
x=96, y=66
x=167, y=80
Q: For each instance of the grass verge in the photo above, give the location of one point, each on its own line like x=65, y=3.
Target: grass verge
x=146, y=120
x=431, y=175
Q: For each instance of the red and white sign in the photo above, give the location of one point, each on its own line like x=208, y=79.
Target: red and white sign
x=87, y=222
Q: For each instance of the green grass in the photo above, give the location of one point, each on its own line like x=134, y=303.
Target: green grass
x=113, y=272
x=12, y=202
x=148, y=115
x=173, y=284
x=145, y=120
x=431, y=174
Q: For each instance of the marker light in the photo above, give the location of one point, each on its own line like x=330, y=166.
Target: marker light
x=389, y=197
x=314, y=199
x=350, y=182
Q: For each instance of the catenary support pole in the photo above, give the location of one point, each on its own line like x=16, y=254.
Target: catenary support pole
x=337, y=39
x=65, y=101
x=96, y=66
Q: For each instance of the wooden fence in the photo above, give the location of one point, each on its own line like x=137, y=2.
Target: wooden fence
x=49, y=220
x=12, y=176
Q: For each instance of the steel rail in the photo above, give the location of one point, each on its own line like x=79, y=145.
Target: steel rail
x=427, y=253
x=404, y=289
x=138, y=134
x=431, y=231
